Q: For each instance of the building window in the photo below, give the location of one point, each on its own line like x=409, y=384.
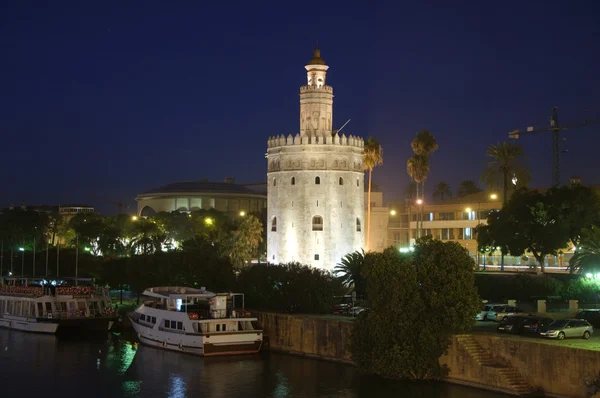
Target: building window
x=317, y=223
x=317, y=257
x=358, y=225
x=446, y=216
x=447, y=234
x=468, y=215
x=293, y=180
x=274, y=224
x=274, y=182
x=357, y=183
x=341, y=181
x=317, y=180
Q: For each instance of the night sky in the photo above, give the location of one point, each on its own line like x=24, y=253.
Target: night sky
x=107, y=100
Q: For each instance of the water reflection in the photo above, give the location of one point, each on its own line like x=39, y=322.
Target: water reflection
x=116, y=366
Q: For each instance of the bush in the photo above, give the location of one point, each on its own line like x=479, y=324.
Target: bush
x=288, y=287
x=417, y=302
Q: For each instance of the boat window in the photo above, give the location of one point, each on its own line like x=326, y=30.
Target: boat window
x=218, y=328
x=223, y=327
x=167, y=323
x=40, y=309
x=153, y=319
x=179, y=325
x=143, y=317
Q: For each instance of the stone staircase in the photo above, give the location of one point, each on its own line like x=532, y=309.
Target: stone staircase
x=509, y=378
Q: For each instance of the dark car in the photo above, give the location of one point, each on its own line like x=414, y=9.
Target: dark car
x=512, y=324
x=532, y=325
x=592, y=316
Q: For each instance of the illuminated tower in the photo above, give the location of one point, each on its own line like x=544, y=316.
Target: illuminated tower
x=315, y=195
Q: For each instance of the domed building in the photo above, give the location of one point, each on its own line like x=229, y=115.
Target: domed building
x=315, y=183
x=226, y=197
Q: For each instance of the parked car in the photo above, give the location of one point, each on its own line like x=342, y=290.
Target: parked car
x=512, y=324
x=483, y=315
x=499, y=314
x=532, y=325
x=356, y=310
x=568, y=328
x=592, y=316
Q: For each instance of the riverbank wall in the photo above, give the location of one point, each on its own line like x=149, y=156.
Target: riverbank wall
x=514, y=366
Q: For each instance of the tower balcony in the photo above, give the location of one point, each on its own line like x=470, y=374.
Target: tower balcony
x=310, y=89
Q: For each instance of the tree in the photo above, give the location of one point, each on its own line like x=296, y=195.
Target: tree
x=244, y=242
x=508, y=162
x=417, y=301
x=528, y=222
x=442, y=190
x=373, y=157
x=467, y=187
x=424, y=144
x=410, y=190
x=349, y=271
x=587, y=255
x=417, y=167
x=147, y=237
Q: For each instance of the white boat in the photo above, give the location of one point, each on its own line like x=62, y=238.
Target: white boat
x=85, y=308
x=196, y=321
x=27, y=308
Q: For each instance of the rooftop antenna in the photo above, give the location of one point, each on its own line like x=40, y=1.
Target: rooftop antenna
x=340, y=129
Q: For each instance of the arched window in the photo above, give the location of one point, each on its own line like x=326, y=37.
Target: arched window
x=341, y=181
x=274, y=224
x=293, y=180
x=357, y=183
x=274, y=182
x=317, y=223
x=317, y=180
x=358, y=225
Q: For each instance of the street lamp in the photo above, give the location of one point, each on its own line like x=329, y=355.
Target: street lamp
x=419, y=201
x=134, y=218
x=208, y=221
x=393, y=212
x=242, y=213
x=493, y=196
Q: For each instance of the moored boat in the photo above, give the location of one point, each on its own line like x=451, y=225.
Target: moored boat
x=85, y=308
x=196, y=321
x=28, y=308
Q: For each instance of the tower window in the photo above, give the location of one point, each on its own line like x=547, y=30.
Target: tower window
x=341, y=181
x=317, y=180
x=317, y=223
x=274, y=182
x=274, y=224
x=293, y=180
x=358, y=225
x=317, y=257
x=357, y=183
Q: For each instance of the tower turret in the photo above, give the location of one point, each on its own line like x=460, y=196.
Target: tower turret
x=316, y=100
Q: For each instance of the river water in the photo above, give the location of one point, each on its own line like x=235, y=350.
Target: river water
x=33, y=365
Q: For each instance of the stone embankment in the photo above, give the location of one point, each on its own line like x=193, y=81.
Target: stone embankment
x=521, y=367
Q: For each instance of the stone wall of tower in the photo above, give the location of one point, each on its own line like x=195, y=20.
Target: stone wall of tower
x=316, y=110
x=294, y=198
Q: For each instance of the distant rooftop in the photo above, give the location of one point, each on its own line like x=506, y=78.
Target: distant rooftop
x=203, y=187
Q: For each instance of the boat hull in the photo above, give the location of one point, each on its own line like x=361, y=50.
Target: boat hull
x=101, y=324
x=196, y=344
x=34, y=325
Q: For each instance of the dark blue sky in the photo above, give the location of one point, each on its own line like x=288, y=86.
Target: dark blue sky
x=100, y=99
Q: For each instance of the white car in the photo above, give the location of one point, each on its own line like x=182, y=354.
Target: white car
x=502, y=313
x=483, y=315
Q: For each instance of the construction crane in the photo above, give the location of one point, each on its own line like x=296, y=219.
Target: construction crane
x=555, y=128
x=121, y=206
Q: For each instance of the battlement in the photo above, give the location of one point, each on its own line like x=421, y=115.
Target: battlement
x=306, y=89
x=336, y=139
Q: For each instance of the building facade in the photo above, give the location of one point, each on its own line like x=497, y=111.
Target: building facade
x=315, y=190
x=226, y=197
x=380, y=216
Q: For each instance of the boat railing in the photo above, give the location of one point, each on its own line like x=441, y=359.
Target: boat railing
x=22, y=291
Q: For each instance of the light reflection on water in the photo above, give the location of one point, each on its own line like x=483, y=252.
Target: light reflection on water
x=117, y=366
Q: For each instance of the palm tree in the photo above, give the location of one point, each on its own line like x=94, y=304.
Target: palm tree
x=467, y=187
x=348, y=271
x=417, y=167
x=442, y=190
x=587, y=256
x=424, y=144
x=507, y=165
x=373, y=157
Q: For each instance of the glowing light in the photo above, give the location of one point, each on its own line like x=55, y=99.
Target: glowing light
x=87, y=249
x=208, y=221
x=178, y=304
x=493, y=196
x=21, y=249
x=468, y=209
x=242, y=213
x=419, y=201
x=393, y=212
x=589, y=276
x=134, y=218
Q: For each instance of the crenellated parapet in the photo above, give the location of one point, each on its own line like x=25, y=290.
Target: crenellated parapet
x=308, y=89
x=351, y=140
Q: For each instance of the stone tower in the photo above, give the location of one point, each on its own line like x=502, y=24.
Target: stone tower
x=315, y=195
